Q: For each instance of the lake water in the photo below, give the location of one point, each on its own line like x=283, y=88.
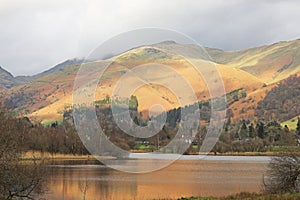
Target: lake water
x=213, y=176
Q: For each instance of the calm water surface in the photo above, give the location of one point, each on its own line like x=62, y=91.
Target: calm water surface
x=214, y=176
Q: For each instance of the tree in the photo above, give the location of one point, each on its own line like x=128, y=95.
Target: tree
x=17, y=181
x=243, y=130
x=133, y=103
x=251, y=130
x=283, y=174
x=228, y=123
x=260, y=130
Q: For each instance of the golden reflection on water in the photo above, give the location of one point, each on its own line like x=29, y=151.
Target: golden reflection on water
x=182, y=178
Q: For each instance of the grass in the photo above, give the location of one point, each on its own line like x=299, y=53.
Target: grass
x=144, y=147
x=292, y=123
x=36, y=155
x=284, y=148
x=50, y=122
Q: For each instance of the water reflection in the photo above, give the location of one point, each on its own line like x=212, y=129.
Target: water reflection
x=183, y=178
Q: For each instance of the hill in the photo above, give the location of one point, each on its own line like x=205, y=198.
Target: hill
x=46, y=98
x=269, y=63
x=249, y=74
x=6, y=79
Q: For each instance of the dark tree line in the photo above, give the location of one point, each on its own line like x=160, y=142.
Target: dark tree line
x=238, y=136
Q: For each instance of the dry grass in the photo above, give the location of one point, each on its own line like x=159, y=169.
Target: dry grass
x=46, y=155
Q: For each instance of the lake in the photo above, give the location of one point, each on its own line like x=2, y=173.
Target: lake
x=189, y=176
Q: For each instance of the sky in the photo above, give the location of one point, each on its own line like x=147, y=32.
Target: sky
x=35, y=35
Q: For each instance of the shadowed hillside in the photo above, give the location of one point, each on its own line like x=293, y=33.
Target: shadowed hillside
x=282, y=102
x=7, y=80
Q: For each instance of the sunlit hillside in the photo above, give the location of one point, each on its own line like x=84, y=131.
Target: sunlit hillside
x=253, y=71
x=269, y=63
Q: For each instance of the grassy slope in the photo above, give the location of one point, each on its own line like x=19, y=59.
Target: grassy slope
x=269, y=63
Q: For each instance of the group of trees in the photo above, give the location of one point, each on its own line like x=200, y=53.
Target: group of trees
x=17, y=179
x=237, y=136
x=259, y=136
x=54, y=139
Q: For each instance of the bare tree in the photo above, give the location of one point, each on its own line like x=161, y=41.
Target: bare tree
x=18, y=180
x=22, y=181
x=283, y=174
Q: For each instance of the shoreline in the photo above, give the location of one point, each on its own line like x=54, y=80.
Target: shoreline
x=36, y=155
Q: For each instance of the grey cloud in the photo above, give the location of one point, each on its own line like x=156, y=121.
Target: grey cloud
x=35, y=34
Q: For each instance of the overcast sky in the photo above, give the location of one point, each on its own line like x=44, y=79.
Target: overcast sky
x=35, y=35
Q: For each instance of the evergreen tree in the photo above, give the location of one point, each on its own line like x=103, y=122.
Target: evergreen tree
x=228, y=123
x=236, y=136
x=133, y=103
x=251, y=130
x=243, y=130
x=298, y=126
x=260, y=130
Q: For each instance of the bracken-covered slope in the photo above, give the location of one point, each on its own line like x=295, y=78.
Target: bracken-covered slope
x=250, y=73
